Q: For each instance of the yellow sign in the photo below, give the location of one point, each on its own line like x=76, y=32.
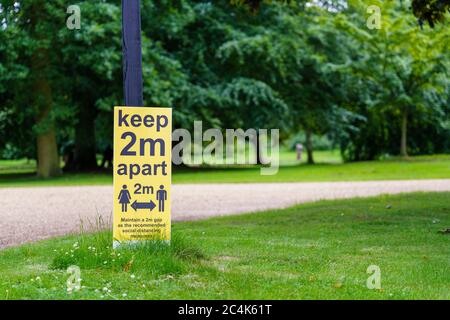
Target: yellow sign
x=142, y=174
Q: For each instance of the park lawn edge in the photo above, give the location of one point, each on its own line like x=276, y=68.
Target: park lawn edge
x=413, y=168
x=316, y=250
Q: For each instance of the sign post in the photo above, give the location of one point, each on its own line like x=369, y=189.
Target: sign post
x=132, y=52
x=142, y=150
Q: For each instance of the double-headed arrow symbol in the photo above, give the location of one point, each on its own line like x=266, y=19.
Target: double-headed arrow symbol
x=143, y=205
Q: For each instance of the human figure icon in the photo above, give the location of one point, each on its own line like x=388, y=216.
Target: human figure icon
x=161, y=196
x=124, y=198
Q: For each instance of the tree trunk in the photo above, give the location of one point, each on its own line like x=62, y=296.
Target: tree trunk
x=258, y=150
x=404, y=135
x=85, y=146
x=309, y=147
x=47, y=153
x=47, y=150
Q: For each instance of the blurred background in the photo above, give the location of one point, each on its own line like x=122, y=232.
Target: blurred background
x=364, y=103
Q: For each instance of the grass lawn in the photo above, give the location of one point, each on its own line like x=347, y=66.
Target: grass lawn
x=435, y=167
x=319, y=250
x=16, y=174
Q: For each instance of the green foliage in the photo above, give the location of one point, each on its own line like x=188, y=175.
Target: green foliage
x=315, y=69
x=401, y=72
x=431, y=11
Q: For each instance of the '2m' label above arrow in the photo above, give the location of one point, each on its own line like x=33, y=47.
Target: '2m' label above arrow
x=143, y=205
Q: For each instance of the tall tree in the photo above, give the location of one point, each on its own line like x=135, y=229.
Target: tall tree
x=296, y=52
x=401, y=73
x=40, y=26
x=91, y=61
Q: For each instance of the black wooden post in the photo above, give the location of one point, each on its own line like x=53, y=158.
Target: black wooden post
x=132, y=52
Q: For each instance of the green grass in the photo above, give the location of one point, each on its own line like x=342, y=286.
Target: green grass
x=314, y=251
x=22, y=166
x=395, y=169
x=330, y=169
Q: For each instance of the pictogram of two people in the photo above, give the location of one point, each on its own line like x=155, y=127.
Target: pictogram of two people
x=125, y=198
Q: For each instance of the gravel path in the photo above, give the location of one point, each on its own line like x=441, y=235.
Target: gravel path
x=30, y=214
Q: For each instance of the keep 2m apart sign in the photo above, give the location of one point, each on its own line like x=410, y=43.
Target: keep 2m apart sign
x=142, y=174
